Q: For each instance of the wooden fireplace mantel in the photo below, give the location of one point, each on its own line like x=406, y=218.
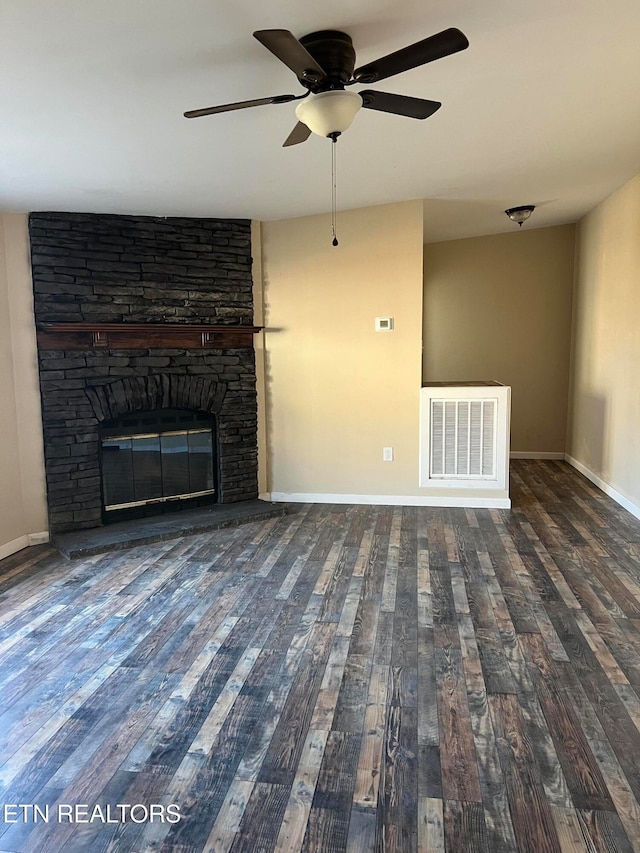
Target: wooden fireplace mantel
x=86, y=336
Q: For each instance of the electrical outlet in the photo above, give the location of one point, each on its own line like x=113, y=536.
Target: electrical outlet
x=387, y=454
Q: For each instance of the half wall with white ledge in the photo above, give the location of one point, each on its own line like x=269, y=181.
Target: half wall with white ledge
x=464, y=442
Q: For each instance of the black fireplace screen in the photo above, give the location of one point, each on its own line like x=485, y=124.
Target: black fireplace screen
x=157, y=457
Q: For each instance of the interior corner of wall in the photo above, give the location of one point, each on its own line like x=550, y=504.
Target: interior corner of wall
x=257, y=272
x=260, y=356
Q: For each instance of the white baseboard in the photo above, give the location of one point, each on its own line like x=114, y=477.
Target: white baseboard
x=21, y=542
x=536, y=454
x=605, y=487
x=13, y=546
x=392, y=500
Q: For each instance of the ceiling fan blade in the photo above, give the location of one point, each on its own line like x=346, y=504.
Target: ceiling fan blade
x=435, y=47
x=240, y=105
x=300, y=133
x=401, y=105
x=288, y=49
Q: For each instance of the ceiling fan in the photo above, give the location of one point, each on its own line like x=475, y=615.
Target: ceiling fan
x=324, y=63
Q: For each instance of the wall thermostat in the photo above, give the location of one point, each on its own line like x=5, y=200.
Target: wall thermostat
x=384, y=324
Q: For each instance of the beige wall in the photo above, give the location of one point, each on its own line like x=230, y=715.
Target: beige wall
x=22, y=484
x=604, y=428
x=260, y=355
x=499, y=307
x=337, y=392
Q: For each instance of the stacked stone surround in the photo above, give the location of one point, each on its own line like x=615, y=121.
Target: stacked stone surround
x=126, y=269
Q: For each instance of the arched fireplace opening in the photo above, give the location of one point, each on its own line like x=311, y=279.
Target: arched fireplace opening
x=157, y=461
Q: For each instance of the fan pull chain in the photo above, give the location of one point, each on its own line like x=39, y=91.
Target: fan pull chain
x=334, y=139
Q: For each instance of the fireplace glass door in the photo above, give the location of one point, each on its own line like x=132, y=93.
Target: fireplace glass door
x=154, y=458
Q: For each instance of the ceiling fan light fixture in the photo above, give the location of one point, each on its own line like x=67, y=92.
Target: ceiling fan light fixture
x=329, y=113
x=521, y=213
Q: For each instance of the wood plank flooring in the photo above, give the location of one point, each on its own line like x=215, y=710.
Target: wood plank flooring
x=344, y=678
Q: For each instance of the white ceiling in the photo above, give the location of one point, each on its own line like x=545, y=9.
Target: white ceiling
x=542, y=108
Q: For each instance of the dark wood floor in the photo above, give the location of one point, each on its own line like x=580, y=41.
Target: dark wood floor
x=341, y=679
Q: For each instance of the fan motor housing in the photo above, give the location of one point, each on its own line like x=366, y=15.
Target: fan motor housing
x=334, y=52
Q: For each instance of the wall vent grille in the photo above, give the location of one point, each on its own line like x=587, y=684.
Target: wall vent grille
x=463, y=439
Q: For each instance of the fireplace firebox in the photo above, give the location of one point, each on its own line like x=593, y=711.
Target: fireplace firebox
x=156, y=461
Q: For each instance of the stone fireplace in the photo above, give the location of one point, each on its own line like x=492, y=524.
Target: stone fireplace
x=144, y=329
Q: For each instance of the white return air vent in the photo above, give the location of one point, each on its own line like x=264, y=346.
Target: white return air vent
x=464, y=436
